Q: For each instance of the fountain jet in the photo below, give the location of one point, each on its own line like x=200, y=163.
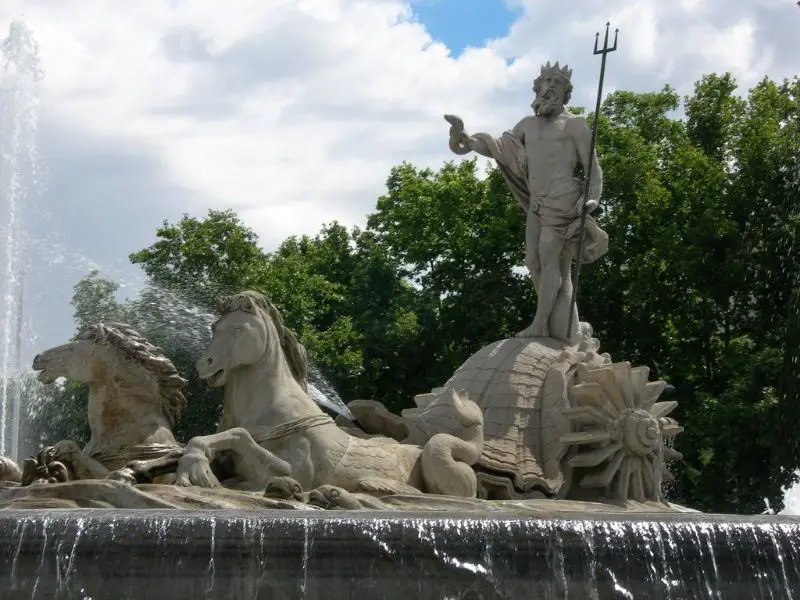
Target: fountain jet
x=19, y=106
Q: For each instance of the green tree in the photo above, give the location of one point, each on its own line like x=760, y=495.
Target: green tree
x=51, y=413
x=458, y=237
x=201, y=259
x=698, y=278
x=361, y=321
x=94, y=300
x=341, y=293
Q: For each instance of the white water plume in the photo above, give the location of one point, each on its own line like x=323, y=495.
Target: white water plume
x=19, y=104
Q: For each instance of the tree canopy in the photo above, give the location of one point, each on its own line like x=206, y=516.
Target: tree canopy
x=702, y=205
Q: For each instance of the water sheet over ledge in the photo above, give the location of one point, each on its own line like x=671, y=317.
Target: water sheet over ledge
x=101, y=553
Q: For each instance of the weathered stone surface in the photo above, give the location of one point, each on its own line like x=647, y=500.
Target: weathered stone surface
x=506, y=380
x=135, y=397
x=113, y=494
x=498, y=429
x=520, y=384
x=272, y=426
x=620, y=434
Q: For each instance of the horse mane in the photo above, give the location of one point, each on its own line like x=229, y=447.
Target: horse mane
x=133, y=346
x=293, y=350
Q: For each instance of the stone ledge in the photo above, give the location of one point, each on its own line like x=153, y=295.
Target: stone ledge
x=342, y=554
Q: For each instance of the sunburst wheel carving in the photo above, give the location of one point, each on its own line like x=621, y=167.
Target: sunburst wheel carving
x=619, y=430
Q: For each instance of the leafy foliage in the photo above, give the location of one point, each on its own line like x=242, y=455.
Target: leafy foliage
x=52, y=413
x=702, y=217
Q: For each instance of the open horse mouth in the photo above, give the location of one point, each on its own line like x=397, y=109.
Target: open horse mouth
x=42, y=373
x=46, y=377
x=216, y=379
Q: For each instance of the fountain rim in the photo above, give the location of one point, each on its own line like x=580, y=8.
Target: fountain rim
x=609, y=517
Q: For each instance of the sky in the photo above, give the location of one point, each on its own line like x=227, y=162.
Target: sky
x=292, y=112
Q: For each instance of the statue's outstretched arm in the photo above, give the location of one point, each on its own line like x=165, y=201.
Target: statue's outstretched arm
x=463, y=143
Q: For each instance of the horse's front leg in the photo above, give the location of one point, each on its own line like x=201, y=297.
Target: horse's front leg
x=253, y=464
x=147, y=471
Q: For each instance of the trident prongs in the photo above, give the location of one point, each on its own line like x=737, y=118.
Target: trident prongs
x=605, y=49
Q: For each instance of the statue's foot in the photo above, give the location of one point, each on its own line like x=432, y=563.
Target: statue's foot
x=195, y=470
x=534, y=330
x=331, y=497
x=259, y=466
x=284, y=488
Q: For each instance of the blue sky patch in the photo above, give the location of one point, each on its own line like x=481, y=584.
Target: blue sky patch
x=463, y=23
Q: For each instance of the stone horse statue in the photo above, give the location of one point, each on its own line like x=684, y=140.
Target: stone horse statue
x=275, y=429
x=135, y=397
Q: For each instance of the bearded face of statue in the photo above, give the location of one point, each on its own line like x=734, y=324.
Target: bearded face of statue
x=550, y=96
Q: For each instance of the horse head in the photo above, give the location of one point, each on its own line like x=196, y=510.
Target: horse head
x=116, y=354
x=80, y=360
x=249, y=330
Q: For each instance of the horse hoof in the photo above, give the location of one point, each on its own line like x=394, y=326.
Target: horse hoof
x=284, y=488
x=123, y=475
x=331, y=497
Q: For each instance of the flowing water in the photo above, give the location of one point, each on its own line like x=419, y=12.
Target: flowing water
x=21, y=74
x=340, y=554
x=324, y=394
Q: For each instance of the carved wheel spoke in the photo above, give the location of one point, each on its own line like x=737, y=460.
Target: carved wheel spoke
x=593, y=458
x=618, y=431
x=637, y=482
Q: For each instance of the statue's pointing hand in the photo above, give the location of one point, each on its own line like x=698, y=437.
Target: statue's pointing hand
x=459, y=140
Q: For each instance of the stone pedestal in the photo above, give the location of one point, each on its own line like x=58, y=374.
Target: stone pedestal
x=119, y=554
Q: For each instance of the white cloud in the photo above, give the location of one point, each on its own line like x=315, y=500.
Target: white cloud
x=283, y=102
x=215, y=94
x=293, y=112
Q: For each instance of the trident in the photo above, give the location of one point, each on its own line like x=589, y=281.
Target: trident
x=587, y=181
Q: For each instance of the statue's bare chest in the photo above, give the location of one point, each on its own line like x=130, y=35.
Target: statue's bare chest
x=546, y=134
x=549, y=148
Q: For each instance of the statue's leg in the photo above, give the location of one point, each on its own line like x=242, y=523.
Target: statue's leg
x=254, y=464
x=533, y=230
x=331, y=497
x=285, y=488
x=550, y=247
x=532, y=233
x=83, y=466
x=560, y=315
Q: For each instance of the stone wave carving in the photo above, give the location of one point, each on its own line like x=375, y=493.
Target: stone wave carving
x=115, y=494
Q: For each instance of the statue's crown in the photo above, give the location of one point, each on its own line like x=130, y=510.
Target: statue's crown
x=555, y=69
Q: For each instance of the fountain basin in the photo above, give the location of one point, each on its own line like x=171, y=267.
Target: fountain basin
x=110, y=553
